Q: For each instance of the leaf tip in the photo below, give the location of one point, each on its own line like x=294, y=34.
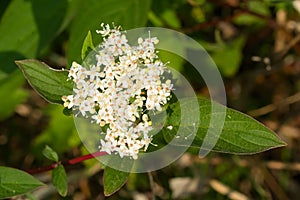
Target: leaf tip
x=282, y=143
x=18, y=63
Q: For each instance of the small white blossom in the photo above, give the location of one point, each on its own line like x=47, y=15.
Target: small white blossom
x=119, y=91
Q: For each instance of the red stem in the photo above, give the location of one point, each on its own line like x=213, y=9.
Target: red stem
x=86, y=157
x=69, y=162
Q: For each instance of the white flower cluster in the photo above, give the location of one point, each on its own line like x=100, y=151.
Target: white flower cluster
x=119, y=91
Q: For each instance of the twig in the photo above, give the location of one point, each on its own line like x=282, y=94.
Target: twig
x=271, y=107
x=241, y=11
x=279, y=55
x=270, y=21
x=66, y=163
x=86, y=157
x=151, y=185
x=211, y=23
x=273, y=184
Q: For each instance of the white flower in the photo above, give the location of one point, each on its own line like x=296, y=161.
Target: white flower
x=116, y=90
x=105, y=31
x=68, y=101
x=105, y=146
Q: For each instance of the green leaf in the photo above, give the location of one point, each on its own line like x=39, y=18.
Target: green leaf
x=175, y=61
x=113, y=180
x=51, y=84
x=11, y=93
x=171, y=18
x=255, y=6
x=128, y=14
x=15, y=182
x=27, y=28
x=49, y=153
x=87, y=46
x=241, y=134
x=59, y=180
x=154, y=19
x=67, y=111
x=229, y=56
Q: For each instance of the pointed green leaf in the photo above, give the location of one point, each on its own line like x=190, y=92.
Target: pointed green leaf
x=15, y=182
x=87, y=46
x=241, y=134
x=49, y=153
x=113, y=180
x=49, y=83
x=59, y=180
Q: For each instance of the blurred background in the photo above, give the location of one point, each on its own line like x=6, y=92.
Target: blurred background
x=255, y=44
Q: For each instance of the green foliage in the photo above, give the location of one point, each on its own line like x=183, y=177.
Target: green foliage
x=107, y=12
x=49, y=83
x=49, y=153
x=227, y=56
x=15, y=182
x=59, y=180
x=164, y=13
x=28, y=29
x=169, y=16
x=138, y=181
x=25, y=29
x=251, y=137
x=87, y=46
x=176, y=62
x=11, y=94
x=60, y=133
x=256, y=6
x=241, y=134
x=113, y=180
x=59, y=176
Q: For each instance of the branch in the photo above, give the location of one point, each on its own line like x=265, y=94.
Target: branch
x=239, y=10
x=66, y=163
x=271, y=107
